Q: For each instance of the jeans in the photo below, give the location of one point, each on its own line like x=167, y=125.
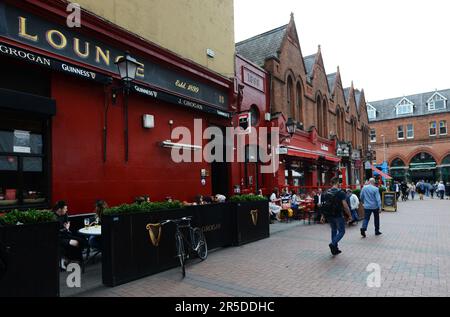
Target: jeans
x=337, y=225
x=367, y=214
x=413, y=194
x=355, y=216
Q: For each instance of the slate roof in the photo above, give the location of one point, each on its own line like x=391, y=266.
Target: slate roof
x=347, y=94
x=309, y=65
x=331, y=81
x=263, y=46
x=386, y=108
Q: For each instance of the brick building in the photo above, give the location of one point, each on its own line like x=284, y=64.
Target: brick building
x=411, y=134
x=328, y=117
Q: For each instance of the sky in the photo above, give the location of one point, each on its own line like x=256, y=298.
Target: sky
x=391, y=48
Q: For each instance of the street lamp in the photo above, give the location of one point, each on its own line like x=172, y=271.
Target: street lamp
x=127, y=66
x=384, y=147
x=291, y=127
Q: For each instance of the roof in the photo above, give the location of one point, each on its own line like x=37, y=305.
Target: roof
x=386, y=108
x=309, y=65
x=347, y=93
x=263, y=46
x=331, y=81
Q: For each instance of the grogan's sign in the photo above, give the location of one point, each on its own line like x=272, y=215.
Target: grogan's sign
x=34, y=31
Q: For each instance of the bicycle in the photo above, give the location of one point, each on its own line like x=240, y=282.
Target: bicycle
x=196, y=244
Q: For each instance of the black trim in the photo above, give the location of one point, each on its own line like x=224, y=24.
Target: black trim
x=15, y=100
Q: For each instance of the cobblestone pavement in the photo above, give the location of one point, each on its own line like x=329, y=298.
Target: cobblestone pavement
x=413, y=253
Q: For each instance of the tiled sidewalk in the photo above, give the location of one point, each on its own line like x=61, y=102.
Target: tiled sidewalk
x=413, y=253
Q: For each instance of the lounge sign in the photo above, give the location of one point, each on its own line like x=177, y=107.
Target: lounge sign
x=31, y=30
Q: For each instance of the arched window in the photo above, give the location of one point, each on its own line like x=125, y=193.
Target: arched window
x=290, y=99
x=299, y=104
x=319, y=116
x=398, y=163
x=338, y=124
x=325, y=119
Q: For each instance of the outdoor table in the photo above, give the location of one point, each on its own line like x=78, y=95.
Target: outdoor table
x=95, y=231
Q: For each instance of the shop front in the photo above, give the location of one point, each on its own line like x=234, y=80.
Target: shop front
x=70, y=129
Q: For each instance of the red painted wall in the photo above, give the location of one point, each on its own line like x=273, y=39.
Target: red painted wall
x=78, y=172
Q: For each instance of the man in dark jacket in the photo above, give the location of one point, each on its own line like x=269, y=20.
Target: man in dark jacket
x=318, y=199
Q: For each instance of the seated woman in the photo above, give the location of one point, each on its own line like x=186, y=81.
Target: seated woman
x=95, y=242
x=72, y=246
x=274, y=208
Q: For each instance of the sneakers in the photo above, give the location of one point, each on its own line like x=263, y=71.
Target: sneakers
x=334, y=250
x=363, y=233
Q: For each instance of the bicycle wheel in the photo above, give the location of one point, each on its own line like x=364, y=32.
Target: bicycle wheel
x=199, y=242
x=180, y=251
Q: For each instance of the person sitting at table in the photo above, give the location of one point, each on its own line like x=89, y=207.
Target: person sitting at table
x=95, y=242
x=72, y=246
x=274, y=208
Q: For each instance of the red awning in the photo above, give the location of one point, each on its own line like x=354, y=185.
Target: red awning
x=384, y=175
x=332, y=159
x=302, y=154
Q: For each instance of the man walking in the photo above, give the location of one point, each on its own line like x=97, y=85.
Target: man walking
x=441, y=190
x=370, y=196
x=333, y=205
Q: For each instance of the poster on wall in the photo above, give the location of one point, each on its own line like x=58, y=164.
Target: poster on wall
x=22, y=142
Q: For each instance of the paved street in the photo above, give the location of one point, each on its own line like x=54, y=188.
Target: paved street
x=413, y=252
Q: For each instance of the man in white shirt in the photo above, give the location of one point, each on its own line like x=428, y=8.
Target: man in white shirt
x=441, y=190
x=354, y=206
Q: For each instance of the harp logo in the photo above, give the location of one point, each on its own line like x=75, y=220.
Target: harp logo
x=154, y=231
x=254, y=214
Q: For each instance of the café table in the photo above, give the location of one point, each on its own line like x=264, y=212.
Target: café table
x=91, y=231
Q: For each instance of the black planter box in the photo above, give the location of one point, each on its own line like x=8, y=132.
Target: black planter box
x=251, y=221
x=32, y=259
x=129, y=252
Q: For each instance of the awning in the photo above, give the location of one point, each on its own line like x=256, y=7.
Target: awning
x=332, y=159
x=382, y=174
x=302, y=154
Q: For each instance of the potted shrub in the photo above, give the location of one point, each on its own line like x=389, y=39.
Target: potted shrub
x=251, y=218
x=29, y=254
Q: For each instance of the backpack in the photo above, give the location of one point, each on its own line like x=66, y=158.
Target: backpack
x=331, y=206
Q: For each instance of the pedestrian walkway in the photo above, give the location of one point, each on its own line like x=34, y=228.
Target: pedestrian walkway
x=413, y=254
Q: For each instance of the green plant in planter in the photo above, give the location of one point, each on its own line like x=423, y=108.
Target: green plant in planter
x=246, y=198
x=27, y=217
x=142, y=208
x=382, y=190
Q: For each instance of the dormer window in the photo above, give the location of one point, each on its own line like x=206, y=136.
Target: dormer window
x=372, y=112
x=404, y=107
x=437, y=102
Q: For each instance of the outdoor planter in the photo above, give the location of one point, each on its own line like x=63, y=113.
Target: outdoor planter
x=134, y=246
x=251, y=221
x=32, y=260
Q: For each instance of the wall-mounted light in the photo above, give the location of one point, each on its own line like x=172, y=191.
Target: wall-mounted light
x=148, y=121
x=180, y=146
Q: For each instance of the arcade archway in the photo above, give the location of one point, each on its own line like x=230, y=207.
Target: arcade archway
x=399, y=170
x=445, y=169
x=423, y=166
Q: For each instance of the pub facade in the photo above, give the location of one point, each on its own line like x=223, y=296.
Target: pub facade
x=72, y=129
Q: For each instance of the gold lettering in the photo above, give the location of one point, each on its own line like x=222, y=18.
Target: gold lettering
x=100, y=54
x=23, y=30
x=76, y=45
x=141, y=71
x=62, y=39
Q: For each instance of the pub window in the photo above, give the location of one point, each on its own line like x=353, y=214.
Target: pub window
x=410, y=131
x=373, y=135
x=23, y=175
x=433, y=128
x=443, y=127
x=400, y=133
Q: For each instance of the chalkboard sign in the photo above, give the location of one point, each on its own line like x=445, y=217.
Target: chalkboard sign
x=389, y=201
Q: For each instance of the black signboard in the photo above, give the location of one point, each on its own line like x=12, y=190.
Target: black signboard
x=34, y=31
x=389, y=201
x=57, y=65
x=161, y=95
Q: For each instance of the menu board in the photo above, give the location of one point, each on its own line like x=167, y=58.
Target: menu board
x=389, y=201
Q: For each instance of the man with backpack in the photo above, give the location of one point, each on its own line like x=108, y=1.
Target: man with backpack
x=333, y=206
x=370, y=196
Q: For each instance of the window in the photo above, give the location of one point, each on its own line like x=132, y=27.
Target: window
x=373, y=135
x=437, y=102
x=372, y=112
x=410, y=131
x=443, y=128
x=290, y=99
x=23, y=172
x=433, y=128
x=405, y=107
x=400, y=132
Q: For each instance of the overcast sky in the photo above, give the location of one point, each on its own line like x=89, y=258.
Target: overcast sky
x=390, y=48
